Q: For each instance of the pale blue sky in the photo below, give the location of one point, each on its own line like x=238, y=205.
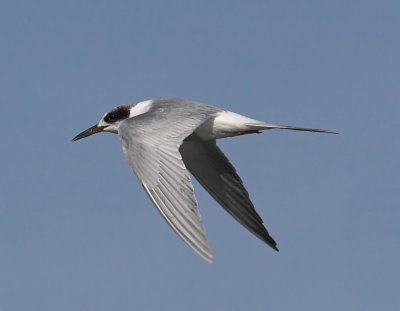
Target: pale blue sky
x=77, y=232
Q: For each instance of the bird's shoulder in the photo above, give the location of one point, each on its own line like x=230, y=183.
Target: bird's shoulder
x=181, y=106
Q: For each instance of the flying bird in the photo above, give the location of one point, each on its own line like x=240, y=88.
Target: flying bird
x=165, y=139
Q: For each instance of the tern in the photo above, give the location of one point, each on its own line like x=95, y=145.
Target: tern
x=165, y=139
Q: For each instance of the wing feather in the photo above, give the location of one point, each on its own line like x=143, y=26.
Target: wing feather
x=218, y=176
x=151, y=144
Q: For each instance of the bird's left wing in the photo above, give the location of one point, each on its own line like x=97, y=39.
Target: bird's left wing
x=151, y=144
x=215, y=172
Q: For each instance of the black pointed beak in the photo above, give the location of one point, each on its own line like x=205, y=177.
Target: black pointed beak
x=90, y=131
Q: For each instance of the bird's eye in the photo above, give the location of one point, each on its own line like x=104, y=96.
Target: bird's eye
x=117, y=114
x=110, y=117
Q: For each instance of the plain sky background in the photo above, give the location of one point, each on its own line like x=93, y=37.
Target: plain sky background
x=77, y=231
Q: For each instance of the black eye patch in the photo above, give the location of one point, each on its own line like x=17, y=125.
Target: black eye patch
x=117, y=114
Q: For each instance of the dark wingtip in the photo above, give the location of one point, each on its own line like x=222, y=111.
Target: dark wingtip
x=271, y=242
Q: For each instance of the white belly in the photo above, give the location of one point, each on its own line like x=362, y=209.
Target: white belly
x=227, y=124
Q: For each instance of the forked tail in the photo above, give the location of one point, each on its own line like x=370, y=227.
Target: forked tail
x=268, y=126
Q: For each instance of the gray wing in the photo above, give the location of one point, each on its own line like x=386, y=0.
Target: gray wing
x=151, y=144
x=217, y=175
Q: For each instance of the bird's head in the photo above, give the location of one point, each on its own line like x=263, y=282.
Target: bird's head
x=108, y=123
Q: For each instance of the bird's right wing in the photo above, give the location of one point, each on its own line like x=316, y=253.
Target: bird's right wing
x=151, y=144
x=218, y=176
